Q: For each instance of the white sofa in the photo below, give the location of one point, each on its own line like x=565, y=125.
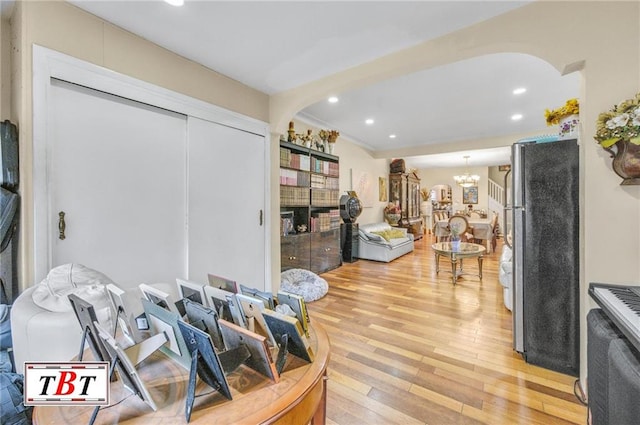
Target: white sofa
x=505, y=276
x=374, y=247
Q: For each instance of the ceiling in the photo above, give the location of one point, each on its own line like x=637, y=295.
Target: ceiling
x=274, y=46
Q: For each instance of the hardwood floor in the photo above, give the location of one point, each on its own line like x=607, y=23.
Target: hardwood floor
x=407, y=347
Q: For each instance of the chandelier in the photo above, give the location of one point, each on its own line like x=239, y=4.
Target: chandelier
x=467, y=180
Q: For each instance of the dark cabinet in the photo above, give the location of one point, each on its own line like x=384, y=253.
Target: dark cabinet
x=325, y=251
x=404, y=191
x=294, y=251
x=309, y=209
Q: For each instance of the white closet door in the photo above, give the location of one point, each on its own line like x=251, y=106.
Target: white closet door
x=117, y=169
x=226, y=199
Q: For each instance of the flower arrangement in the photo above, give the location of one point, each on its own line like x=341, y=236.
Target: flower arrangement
x=454, y=229
x=323, y=134
x=553, y=117
x=425, y=193
x=622, y=122
x=333, y=136
x=392, y=208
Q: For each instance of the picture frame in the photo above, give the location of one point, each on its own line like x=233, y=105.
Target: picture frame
x=124, y=319
x=252, y=309
x=218, y=299
x=158, y=297
x=223, y=283
x=260, y=360
x=86, y=314
x=191, y=290
x=470, y=195
x=266, y=297
x=162, y=320
x=205, y=363
x=128, y=373
x=281, y=324
x=383, y=193
x=209, y=319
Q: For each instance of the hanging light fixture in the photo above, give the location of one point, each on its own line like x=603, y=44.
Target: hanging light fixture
x=467, y=180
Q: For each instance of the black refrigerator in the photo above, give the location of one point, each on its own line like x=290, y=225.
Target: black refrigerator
x=546, y=273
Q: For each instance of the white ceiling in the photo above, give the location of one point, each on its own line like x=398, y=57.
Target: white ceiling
x=278, y=45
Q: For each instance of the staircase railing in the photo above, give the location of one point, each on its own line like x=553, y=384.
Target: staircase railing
x=497, y=199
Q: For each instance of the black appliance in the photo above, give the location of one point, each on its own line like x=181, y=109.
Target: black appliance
x=350, y=244
x=350, y=209
x=546, y=299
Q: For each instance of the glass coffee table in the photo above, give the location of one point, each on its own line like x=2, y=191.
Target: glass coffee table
x=458, y=251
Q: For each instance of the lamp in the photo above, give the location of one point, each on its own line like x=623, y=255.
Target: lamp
x=467, y=180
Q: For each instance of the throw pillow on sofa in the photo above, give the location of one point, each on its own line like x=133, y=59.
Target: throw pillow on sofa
x=390, y=234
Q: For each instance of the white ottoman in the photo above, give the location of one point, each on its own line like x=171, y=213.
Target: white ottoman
x=42, y=335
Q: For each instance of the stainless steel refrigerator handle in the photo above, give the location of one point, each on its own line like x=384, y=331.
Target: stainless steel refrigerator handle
x=505, y=209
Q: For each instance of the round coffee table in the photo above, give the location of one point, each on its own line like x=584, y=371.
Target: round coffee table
x=458, y=251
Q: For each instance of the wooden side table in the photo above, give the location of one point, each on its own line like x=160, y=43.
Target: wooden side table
x=299, y=397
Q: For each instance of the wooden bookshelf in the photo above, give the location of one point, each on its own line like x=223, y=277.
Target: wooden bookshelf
x=309, y=196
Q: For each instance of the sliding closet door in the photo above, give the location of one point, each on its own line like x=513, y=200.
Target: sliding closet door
x=116, y=168
x=226, y=203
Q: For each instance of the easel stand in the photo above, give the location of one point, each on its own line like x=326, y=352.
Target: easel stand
x=230, y=360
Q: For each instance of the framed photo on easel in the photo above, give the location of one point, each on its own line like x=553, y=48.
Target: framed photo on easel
x=470, y=195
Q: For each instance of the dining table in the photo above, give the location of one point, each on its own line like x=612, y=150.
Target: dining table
x=482, y=229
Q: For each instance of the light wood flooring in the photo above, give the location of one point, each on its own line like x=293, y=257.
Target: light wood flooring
x=407, y=347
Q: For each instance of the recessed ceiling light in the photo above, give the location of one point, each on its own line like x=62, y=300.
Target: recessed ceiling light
x=369, y=121
x=332, y=99
x=516, y=117
x=175, y=2
x=519, y=90
x=392, y=136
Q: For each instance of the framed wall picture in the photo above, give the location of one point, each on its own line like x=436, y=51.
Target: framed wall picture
x=382, y=189
x=470, y=195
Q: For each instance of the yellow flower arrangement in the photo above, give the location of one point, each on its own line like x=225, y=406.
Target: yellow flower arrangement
x=570, y=108
x=622, y=122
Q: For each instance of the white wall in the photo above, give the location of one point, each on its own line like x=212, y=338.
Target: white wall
x=433, y=176
x=5, y=70
x=355, y=158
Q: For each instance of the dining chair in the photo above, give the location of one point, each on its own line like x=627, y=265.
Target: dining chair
x=496, y=230
x=461, y=223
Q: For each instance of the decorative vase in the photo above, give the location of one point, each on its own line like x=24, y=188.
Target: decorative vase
x=569, y=127
x=626, y=161
x=455, y=244
x=392, y=219
x=331, y=146
x=424, y=207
